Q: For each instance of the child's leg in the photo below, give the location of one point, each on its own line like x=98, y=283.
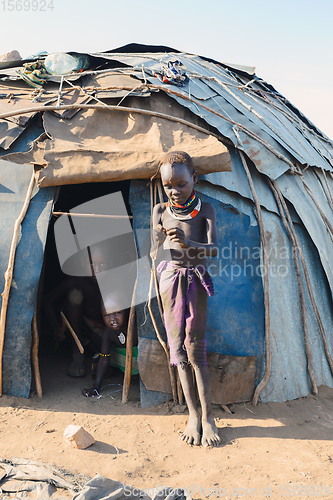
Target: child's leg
x=210, y=435
x=195, y=344
x=192, y=433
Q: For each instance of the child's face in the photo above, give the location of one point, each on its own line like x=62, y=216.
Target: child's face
x=177, y=182
x=115, y=320
x=113, y=316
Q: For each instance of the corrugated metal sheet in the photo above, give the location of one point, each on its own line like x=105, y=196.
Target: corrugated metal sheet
x=270, y=124
x=293, y=190
x=289, y=378
x=237, y=182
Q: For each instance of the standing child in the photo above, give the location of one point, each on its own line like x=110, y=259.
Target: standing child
x=189, y=228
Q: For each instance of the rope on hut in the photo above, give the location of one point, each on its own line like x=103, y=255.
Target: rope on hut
x=328, y=187
x=158, y=187
x=268, y=359
x=325, y=186
x=278, y=195
x=153, y=281
x=160, y=339
x=10, y=270
x=306, y=274
x=323, y=216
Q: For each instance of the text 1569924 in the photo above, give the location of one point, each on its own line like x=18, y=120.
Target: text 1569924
x=27, y=5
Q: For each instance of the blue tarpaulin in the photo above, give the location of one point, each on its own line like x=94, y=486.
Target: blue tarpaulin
x=27, y=268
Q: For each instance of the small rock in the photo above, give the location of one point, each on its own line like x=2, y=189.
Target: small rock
x=77, y=437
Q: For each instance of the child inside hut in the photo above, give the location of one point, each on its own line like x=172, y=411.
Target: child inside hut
x=113, y=337
x=187, y=225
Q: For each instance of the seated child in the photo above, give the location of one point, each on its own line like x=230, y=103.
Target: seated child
x=79, y=298
x=114, y=334
x=187, y=225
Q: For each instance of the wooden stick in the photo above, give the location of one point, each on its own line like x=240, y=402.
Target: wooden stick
x=268, y=359
x=109, y=107
x=163, y=344
x=34, y=354
x=129, y=348
x=101, y=216
x=226, y=409
x=10, y=270
x=180, y=391
x=75, y=337
x=153, y=280
x=158, y=296
x=300, y=289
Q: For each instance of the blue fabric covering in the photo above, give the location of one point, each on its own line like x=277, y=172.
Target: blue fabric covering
x=28, y=263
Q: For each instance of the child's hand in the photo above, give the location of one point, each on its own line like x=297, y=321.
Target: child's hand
x=177, y=235
x=160, y=233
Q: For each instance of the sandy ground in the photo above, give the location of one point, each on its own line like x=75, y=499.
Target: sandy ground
x=278, y=450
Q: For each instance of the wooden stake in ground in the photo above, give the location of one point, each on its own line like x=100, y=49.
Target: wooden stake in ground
x=129, y=348
x=34, y=355
x=10, y=270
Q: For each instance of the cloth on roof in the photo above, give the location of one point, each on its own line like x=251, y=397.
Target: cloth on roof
x=102, y=145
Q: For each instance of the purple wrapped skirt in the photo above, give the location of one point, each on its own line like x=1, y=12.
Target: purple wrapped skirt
x=184, y=297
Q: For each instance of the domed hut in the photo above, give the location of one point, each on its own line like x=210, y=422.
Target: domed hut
x=70, y=138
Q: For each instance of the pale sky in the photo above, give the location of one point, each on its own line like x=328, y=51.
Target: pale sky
x=289, y=42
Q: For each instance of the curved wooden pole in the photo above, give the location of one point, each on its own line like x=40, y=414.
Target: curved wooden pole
x=129, y=348
x=268, y=358
x=307, y=277
x=162, y=342
x=34, y=355
x=123, y=109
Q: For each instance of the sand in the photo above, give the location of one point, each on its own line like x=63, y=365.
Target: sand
x=275, y=450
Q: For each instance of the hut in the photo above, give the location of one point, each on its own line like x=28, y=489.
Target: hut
x=67, y=139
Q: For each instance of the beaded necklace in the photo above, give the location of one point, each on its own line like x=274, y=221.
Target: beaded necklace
x=187, y=211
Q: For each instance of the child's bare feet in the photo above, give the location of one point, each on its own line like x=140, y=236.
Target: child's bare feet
x=192, y=434
x=210, y=435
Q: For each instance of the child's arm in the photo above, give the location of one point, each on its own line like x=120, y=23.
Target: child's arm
x=102, y=365
x=210, y=248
